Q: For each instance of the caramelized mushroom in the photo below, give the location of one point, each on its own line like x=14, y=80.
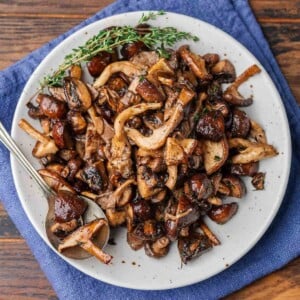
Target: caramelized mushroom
x=148, y=91
x=240, y=125
x=51, y=107
x=235, y=184
x=224, y=71
x=84, y=237
x=62, y=135
x=98, y=63
x=193, y=246
x=77, y=94
x=223, y=213
x=157, y=249
x=248, y=169
x=258, y=181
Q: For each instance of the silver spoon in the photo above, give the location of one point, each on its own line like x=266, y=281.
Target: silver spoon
x=92, y=212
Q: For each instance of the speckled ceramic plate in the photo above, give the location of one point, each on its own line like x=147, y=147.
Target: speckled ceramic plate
x=256, y=211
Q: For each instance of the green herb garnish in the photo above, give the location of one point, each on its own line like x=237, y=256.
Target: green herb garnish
x=108, y=40
x=217, y=158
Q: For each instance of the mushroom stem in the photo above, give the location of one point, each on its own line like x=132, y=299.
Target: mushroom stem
x=23, y=124
x=91, y=248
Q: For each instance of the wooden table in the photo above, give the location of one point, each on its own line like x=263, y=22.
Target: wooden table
x=28, y=24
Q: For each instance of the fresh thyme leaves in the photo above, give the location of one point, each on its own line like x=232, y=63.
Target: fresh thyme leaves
x=217, y=158
x=150, y=16
x=110, y=39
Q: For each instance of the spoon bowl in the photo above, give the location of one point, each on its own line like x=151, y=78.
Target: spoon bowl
x=92, y=212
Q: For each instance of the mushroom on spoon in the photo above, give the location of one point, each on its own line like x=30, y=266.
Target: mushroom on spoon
x=86, y=240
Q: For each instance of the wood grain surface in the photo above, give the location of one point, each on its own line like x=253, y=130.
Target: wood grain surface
x=28, y=24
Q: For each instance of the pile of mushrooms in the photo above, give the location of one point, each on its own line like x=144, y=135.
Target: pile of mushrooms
x=158, y=143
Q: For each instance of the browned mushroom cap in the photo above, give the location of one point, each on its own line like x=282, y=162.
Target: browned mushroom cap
x=240, y=124
x=68, y=206
x=248, y=169
x=232, y=95
x=148, y=91
x=215, y=155
x=129, y=69
x=130, y=49
x=224, y=71
x=63, y=229
x=62, y=135
x=211, y=126
x=51, y=107
x=223, y=213
x=157, y=249
x=198, y=187
x=98, y=63
x=77, y=94
x=195, y=62
x=211, y=59
x=44, y=146
x=193, y=246
x=235, y=184
x=250, y=151
x=211, y=236
x=116, y=217
x=85, y=237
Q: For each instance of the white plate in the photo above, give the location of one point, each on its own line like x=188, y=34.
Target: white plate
x=256, y=211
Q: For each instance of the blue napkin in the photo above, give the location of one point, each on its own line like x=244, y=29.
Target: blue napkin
x=277, y=247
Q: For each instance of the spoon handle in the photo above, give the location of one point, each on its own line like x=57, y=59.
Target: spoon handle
x=10, y=144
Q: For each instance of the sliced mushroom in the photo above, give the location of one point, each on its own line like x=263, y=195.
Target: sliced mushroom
x=172, y=177
x=232, y=95
x=195, y=62
x=193, y=246
x=129, y=69
x=58, y=93
x=87, y=237
x=77, y=94
x=97, y=120
x=92, y=142
x=63, y=229
x=224, y=71
x=76, y=71
x=215, y=155
x=115, y=217
x=250, y=151
x=134, y=242
x=223, y=213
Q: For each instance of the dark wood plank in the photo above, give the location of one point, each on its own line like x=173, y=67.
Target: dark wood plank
x=283, y=284
x=20, y=276
x=51, y=8
x=274, y=10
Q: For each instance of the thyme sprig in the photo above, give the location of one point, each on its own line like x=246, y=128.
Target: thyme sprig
x=110, y=39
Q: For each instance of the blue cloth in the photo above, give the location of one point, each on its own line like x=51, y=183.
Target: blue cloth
x=277, y=247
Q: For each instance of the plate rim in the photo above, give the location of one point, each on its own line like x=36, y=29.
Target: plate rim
x=281, y=192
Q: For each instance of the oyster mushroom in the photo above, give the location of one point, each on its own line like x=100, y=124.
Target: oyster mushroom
x=232, y=95
x=44, y=146
x=258, y=180
x=249, y=151
x=195, y=62
x=158, y=138
x=257, y=133
x=128, y=68
x=85, y=237
x=235, y=184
